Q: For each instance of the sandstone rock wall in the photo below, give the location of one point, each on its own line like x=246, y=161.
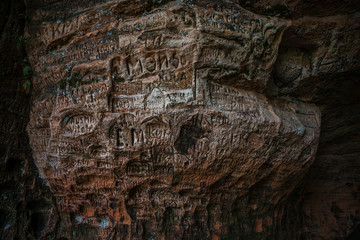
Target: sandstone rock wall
x=148, y=124
x=182, y=120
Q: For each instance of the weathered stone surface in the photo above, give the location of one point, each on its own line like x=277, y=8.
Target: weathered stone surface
x=180, y=120
x=144, y=125
x=317, y=48
x=318, y=62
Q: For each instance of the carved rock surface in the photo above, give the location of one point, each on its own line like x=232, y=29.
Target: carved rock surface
x=144, y=124
x=183, y=120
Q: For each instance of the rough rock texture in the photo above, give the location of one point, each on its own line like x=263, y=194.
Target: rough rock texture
x=319, y=62
x=181, y=120
x=27, y=207
x=148, y=125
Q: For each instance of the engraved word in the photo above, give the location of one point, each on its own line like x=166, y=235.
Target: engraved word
x=78, y=125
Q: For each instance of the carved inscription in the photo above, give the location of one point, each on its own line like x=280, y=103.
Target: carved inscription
x=123, y=133
x=87, y=96
x=229, y=99
x=95, y=50
x=156, y=133
x=168, y=66
x=233, y=20
x=142, y=110
x=159, y=20
x=78, y=125
x=148, y=170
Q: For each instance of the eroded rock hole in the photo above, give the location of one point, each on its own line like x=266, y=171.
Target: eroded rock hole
x=189, y=134
x=38, y=224
x=169, y=219
x=132, y=136
x=38, y=205
x=2, y=155
x=14, y=164
x=119, y=138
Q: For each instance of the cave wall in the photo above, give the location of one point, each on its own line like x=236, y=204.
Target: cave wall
x=318, y=62
x=331, y=197
x=27, y=206
x=180, y=120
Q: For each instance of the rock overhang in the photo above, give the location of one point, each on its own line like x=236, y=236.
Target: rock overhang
x=173, y=96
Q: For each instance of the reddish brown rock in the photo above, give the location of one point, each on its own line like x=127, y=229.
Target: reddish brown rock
x=145, y=124
x=182, y=120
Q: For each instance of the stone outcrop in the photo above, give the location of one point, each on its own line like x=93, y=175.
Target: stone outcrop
x=182, y=120
x=149, y=125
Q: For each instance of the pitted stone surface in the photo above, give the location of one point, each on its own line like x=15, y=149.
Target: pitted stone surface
x=153, y=124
